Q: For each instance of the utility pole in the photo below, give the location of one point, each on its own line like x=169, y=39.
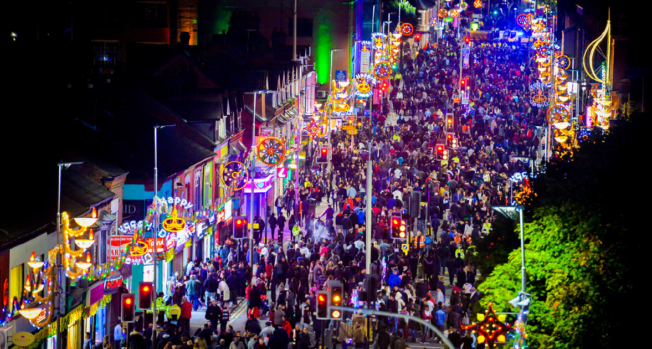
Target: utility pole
x=294, y=32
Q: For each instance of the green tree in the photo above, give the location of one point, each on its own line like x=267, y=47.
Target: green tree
x=583, y=246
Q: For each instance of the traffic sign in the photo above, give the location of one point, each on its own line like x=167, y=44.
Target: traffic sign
x=340, y=75
x=405, y=248
x=348, y=127
x=282, y=172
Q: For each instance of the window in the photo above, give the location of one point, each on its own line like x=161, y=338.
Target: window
x=16, y=283
x=304, y=27
x=151, y=15
x=105, y=53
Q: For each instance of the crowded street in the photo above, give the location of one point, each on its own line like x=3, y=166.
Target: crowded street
x=322, y=175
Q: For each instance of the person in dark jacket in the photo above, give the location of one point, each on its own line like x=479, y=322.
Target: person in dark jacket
x=279, y=338
x=213, y=314
x=383, y=338
x=252, y=325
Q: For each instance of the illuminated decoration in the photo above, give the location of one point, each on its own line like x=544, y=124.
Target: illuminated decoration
x=539, y=100
x=443, y=13
x=378, y=40
x=477, y=3
x=602, y=104
x=523, y=20
x=463, y=5
x=86, y=243
x=563, y=62
x=270, y=151
x=475, y=26
x=87, y=264
x=454, y=13
x=234, y=175
x=490, y=329
x=33, y=262
x=557, y=114
x=543, y=50
x=525, y=196
x=363, y=83
x=312, y=129
x=407, y=29
x=382, y=70
x=87, y=221
x=584, y=135
x=31, y=313
x=174, y=223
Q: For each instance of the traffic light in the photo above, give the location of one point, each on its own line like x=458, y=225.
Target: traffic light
x=396, y=224
x=449, y=124
x=239, y=227
x=462, y=84
x=402, y=230
x=442, y=152
x=417, y=37
x=468, y=83
x=467, y=40
x=383, y=86
x=449, y=139
x=145, y=292
x=454, y=143
x=128, y=307
x=322, y=157
x=322, y=305
x=337, y=297
x=359, y=124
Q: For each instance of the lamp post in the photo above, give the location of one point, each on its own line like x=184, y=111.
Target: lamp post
x=330, y=72
x=252, y=174
x=156, y=223
x=54, y=271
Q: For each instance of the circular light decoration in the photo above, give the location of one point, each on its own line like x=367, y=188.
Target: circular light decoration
x=234, y=175
x=382, y=70
x=464, y=5
x=477, y=3
x=407, y=29
x=443, y=13
x=270, y=151
x=522, y=20
x=543, y=50
x=563, y=62
x=584, y=135
x=455, y=13
x=556, y=114
x=539, y=100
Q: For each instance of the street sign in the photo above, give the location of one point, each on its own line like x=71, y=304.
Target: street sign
x=340, y=75
x=405, y=248
x=282, y=172
x=465, y=50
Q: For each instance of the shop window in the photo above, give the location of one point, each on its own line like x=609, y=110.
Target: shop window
x=16, y=283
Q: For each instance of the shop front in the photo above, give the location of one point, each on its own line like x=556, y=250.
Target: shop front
x=96, y=313
x=261, y=188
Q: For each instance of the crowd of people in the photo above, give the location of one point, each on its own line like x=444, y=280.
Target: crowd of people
x=434, y=275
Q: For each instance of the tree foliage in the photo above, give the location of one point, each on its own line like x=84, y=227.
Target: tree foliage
x=582, y=246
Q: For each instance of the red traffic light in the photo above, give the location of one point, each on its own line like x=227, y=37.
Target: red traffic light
x=395, y=221
x=439, y=148
x=449, y=120
x=238, y=222
x=324, y=151
x=146, y=288
x=322, y=298
x=128, y=301
x=449, y=136
x=463, y=82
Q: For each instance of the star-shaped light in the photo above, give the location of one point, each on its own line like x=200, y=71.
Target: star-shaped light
x=490, y=329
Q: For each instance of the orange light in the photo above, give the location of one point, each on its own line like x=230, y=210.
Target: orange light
x=336, y=298
x=396, y=221
x=336, y=314
x=402, y=228
x=146, y=289
x=450, y=136
x=33, y=256
x=402, y=235
x=90, y=235
x=94, y=215
x=501, y=338
x=322, y=298
x=481, y=339
x=128, y=301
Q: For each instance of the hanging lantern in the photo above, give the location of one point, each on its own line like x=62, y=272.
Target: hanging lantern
x=477, y=3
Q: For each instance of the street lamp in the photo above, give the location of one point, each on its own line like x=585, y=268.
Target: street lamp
x=252, y=173
x=155, y=228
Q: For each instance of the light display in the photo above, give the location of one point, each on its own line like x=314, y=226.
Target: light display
x=234, y=175
x=602, y=103
x=539, y=100
x=490, y=330
x=270, y=151
x=363, y=83
x=443, y=13
x=477, y=3
x=174, y=224
x=382, y=70
x=407, y=29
